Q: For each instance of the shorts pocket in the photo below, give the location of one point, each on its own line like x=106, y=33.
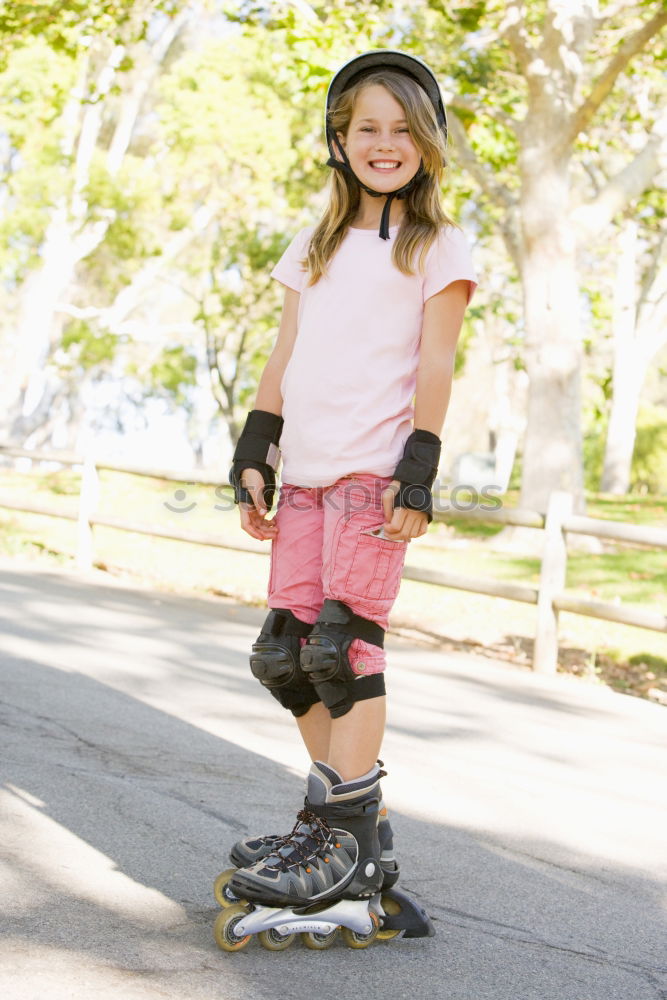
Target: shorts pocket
x=365, y=566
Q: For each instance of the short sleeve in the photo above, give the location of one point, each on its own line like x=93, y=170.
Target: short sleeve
x=449, y=259
x=288, y=270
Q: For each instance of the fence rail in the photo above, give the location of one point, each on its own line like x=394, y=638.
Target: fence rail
x=549, y=596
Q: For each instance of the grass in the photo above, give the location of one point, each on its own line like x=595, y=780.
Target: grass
x=629, y=659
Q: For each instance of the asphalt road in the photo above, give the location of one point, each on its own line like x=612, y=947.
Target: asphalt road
x=136, y=747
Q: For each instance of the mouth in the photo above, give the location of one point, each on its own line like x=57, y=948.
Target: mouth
x=385, y=166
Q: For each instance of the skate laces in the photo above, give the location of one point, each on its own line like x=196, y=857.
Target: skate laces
x=302, y=846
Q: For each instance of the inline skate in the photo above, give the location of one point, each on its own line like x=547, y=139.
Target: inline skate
x=323, y=877
x=246, y=852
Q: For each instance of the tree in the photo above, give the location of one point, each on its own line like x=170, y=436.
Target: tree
x=532, y=79
x=223, y=128
x=72, y=226
x=192, y=208
x=187, y=169
x=66, y=25
x=639, y=333
x=525, y=84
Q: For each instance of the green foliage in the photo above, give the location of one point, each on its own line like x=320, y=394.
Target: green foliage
x=226, y=132
x=593, y=448
x=597, y=408
x=67, y=25
x=650, y=660
x=649, y=460
x=62, y=482
x=240, y=309
x=85, y=348
x=135, y=233
x=601, y=315
x=233, y=122
x=33, y=92
x=517, y=473
x=172, y=374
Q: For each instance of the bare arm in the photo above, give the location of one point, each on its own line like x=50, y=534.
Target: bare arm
x=441, y=326
x=443, y=316
x=269, y=398
x=268, y=393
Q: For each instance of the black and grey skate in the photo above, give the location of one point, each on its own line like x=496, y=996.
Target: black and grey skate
x=333, y=851
x=251, y=849
x=247, y=851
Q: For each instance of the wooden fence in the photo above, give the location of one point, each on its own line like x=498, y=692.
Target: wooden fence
x=549, y=595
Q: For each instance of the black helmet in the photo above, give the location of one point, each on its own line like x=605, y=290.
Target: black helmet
x=353, y=71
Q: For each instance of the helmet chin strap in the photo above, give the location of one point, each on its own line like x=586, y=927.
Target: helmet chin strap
x=389, y=195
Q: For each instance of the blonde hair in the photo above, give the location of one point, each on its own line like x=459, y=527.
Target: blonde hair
x=424, y=216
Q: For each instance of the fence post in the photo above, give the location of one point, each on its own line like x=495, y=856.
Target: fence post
x=88, y=498
x=552, y=582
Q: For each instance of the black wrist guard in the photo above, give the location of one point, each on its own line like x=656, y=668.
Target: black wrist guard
x=257, y=448
x=416, y=472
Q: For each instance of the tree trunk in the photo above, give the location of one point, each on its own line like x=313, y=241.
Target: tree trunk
x=552, y=448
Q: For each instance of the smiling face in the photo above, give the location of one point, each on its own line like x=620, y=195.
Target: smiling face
x=378, y=142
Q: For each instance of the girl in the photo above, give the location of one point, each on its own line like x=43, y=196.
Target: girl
x=374, y=300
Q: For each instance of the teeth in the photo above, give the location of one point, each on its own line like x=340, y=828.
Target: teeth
x=384, y=163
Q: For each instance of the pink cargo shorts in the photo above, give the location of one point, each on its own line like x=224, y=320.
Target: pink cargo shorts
x=323, y=549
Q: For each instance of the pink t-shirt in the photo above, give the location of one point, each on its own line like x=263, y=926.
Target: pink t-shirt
x=348, y=387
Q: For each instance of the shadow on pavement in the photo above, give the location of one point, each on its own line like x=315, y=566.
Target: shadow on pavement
x=118, y=811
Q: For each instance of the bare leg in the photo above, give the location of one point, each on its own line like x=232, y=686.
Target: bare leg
x=351, y=743
x=356, y=738
x=315, y=728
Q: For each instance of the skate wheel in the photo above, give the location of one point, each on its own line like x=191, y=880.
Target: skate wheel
x=392, y=908
x=223, y=894
x=223, y=928
x=272, y=940
x=355, y=940
x=319, y=942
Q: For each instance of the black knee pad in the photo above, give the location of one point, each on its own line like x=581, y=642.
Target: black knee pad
x=325, y=661
x=275, y=661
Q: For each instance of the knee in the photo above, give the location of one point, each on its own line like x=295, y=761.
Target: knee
x=325, y=658
x=275, y=661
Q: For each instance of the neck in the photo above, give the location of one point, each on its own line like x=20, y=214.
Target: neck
x=369, y=212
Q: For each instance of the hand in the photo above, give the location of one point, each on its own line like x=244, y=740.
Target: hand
x=253, y=516
x=401, y=524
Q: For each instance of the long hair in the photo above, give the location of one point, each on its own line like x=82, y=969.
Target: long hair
x=423, y=217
